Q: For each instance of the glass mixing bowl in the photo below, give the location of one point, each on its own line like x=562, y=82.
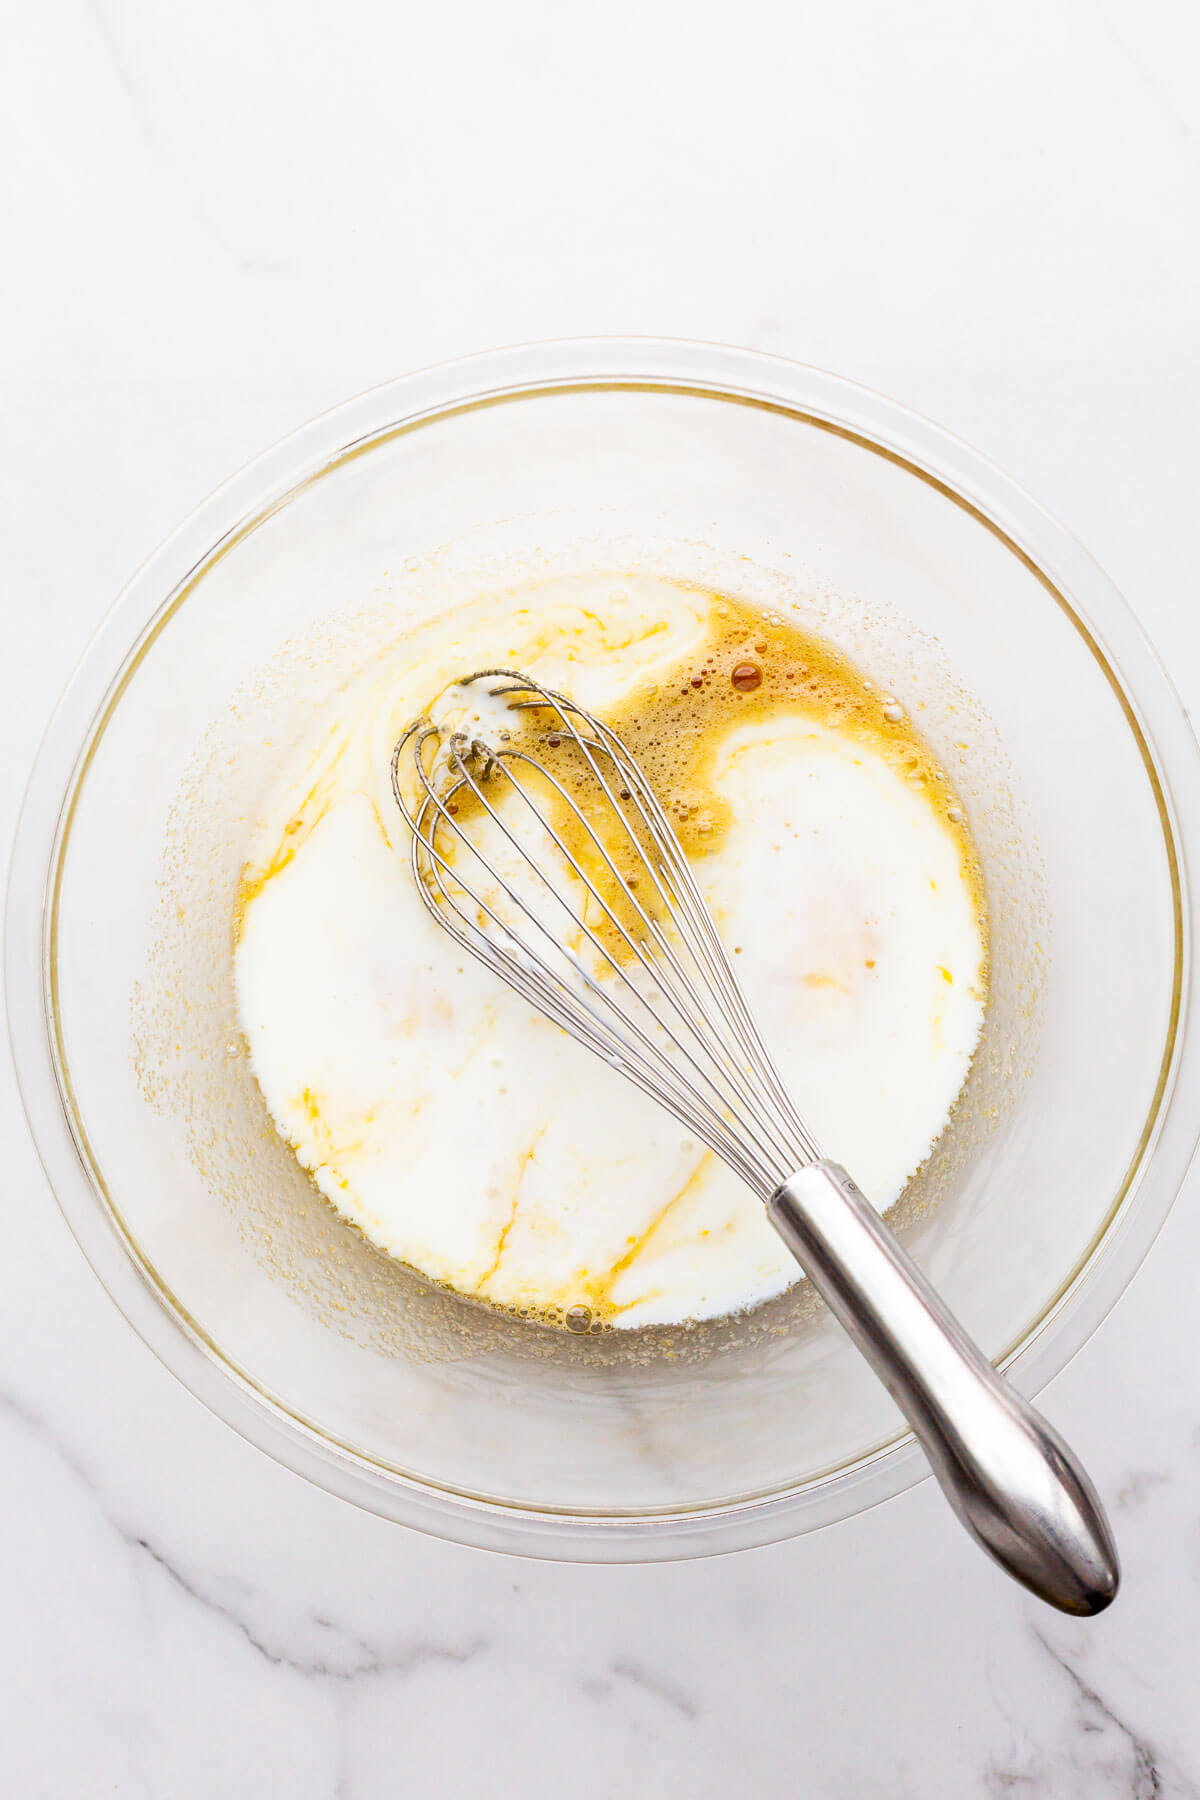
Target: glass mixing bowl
x=740, y=471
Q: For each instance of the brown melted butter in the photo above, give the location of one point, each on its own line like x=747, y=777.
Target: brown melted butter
x=675, y=730
x=751, y=669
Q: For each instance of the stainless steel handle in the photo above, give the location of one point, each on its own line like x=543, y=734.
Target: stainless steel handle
x=1008, y=1475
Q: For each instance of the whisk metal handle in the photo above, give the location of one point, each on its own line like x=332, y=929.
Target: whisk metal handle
x=1008, y=1475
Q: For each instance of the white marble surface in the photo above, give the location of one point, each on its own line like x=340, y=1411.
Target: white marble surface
x=227, y=217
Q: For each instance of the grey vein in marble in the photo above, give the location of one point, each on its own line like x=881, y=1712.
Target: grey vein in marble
x=364, y=1659
x=1137, y=1487
x=1103, y=1748
x=624, y=1671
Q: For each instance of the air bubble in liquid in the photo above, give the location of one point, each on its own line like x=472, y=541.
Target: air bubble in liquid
x=746, y=677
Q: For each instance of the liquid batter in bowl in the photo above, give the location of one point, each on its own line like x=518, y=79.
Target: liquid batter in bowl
x=469, y=1137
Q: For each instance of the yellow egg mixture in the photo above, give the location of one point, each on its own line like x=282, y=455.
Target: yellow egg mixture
x=471, y=1138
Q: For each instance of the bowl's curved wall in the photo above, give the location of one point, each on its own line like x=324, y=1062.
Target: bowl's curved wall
x=715, y=466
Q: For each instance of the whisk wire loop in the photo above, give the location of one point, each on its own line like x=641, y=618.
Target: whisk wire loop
x=521, y=966
x=661, y=1002
x=671, y=969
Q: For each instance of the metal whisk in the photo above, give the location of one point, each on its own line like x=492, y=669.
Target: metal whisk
x=539, y=845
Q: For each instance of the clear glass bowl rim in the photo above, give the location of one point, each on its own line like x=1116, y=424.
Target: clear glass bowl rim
x=1071, y=577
